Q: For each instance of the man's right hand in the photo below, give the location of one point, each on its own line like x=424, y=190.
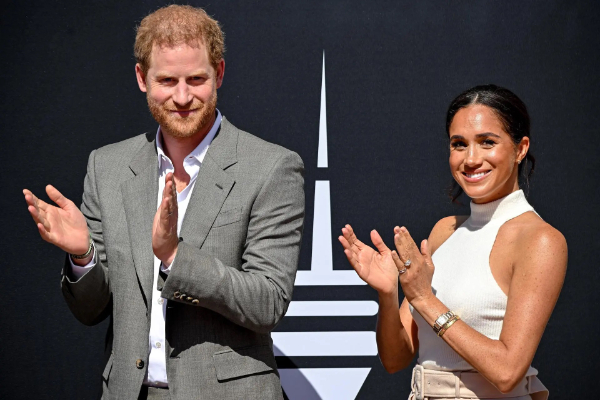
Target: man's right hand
x=63, y=226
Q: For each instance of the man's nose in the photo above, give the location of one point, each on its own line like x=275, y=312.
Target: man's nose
x=182, y=94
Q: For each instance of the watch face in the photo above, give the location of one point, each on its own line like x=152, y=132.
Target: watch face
x=442, y=319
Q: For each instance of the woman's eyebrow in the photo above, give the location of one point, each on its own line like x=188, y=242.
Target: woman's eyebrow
x=457, y=137
x=487, y=134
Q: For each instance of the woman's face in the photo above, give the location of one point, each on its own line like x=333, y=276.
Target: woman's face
x=483, y=157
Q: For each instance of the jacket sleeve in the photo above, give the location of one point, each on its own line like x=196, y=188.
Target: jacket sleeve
x=89, y=297
x=257, y=295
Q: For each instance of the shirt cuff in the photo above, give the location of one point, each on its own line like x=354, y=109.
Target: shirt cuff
x=165, y=268
x=79, y=271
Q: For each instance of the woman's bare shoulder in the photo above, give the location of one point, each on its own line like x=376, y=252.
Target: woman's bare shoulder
x=537, y=234
x=535, y=240
x=443, y=229
x=529, y=229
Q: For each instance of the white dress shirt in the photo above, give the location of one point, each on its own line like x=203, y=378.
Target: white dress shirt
x=156, y=374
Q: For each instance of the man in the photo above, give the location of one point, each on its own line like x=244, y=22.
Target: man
x=192, y=300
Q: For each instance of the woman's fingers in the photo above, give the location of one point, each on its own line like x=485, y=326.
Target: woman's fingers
x=408, y=240
x=352, y=260
x=397, y=261
x=426, y=252
x=348, y=233
x=344, y=243
x=378, y=242
x=351, y=254
x=401, y=245
x=425, y=248
x=350, y=236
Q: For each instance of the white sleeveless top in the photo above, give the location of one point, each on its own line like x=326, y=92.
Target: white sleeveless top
x=464, y=282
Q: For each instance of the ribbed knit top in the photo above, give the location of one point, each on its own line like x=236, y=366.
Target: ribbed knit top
x=463, y=280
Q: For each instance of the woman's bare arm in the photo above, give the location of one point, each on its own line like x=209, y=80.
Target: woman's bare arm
x=396, y=332
x=538, y=274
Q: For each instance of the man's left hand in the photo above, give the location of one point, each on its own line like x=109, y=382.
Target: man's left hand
x=164, y=228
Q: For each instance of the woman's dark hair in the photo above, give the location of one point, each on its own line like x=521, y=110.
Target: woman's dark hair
x=511, y=112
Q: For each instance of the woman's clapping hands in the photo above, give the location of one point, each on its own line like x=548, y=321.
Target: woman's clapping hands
x=381, y=267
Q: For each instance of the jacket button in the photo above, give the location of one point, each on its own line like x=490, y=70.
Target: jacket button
x=139, y=363
x=195, y=302
x=177, y=294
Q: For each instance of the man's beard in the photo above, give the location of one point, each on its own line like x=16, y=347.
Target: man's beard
x=183, y=127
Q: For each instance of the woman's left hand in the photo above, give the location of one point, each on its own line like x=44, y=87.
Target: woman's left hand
x=417, y=275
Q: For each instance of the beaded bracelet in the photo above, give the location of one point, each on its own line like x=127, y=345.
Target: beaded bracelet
x=87, y=253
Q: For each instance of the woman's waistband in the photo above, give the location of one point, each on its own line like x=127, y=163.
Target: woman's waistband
x=429, y=383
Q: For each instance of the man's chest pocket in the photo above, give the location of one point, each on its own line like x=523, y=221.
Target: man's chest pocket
x=228, y=217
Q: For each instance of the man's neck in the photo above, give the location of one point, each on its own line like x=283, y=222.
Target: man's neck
x=178, y=148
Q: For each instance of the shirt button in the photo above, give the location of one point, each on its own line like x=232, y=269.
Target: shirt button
x=139, y=363
x=158, y=345
x=160, y=301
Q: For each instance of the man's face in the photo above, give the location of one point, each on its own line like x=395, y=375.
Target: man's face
x=181, y=88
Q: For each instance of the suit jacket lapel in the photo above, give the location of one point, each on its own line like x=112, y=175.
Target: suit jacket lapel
x=140, y=202
x=212, y=187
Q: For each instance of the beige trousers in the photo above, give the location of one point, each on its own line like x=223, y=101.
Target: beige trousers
x=449, y=385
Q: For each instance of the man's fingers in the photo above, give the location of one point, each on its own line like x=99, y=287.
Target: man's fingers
x=44, y=233
x=174, y=188
x=35, y=214
x=164, y=209
x=56, y=197
x=378, y=242
x=30, y=198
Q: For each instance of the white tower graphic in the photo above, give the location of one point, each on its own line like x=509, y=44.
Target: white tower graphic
x=325, y=383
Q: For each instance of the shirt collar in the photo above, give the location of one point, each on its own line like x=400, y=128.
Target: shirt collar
x=199, y=152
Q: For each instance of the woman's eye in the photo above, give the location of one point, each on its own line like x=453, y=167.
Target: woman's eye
x=488, y=143
x=458, y=145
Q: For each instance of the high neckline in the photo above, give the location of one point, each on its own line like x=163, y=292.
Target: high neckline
x=503, y=208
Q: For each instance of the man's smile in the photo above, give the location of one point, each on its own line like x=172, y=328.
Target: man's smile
x=183, y=113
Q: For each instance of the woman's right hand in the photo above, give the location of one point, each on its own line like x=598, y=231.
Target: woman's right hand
x=375, y=267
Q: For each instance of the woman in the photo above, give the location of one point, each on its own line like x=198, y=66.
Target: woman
x=476, y=321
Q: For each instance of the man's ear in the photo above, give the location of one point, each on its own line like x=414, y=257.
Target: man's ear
x=220, y=72
x=141, y=78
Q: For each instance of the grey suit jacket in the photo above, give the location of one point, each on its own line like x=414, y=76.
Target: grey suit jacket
x=231, y=281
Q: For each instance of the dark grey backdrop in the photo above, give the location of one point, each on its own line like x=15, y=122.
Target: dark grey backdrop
x=68, y=87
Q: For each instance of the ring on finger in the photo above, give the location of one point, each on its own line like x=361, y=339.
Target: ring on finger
x=401, y=271
x=407, y=263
